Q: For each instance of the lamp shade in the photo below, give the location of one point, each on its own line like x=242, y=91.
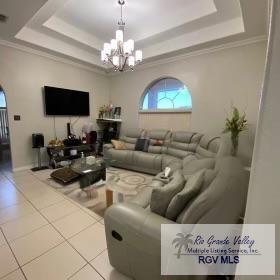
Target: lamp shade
x=119, y=35
x=107, y=48
x=131, y=61
x=103, y=56
x=138, y=56
x=116, y=60
x=130, y=43
x=126, y=48
x=114, y=44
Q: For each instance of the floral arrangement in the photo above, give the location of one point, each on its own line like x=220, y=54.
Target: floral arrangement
x=235, y=124
x=106, y=110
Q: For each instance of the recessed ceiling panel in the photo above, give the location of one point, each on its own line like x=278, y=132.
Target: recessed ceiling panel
x=144, y=18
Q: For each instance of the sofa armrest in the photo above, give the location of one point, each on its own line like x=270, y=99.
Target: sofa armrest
x=136, y=225
x=108, y=146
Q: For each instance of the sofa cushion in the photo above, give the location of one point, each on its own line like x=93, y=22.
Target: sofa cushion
x=154, y=149
x=118, y=145
x=228, y=191
x=161, y=196
x=173, y=162
x=158, y=134
x=131, y=135
x=209, y=176
x=208, y=146
x=122, y=156
x=190, y=190
x=195, y=165
x=147, y=160
x=142, y=145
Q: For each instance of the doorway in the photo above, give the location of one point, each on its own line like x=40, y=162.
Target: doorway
x=5, y=149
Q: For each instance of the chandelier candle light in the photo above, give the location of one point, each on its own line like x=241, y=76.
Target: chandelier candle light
x=119, y=53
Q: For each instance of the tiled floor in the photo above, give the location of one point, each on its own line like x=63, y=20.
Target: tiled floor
x=45, y=235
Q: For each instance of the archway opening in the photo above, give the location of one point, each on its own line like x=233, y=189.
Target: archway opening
x=5, y=149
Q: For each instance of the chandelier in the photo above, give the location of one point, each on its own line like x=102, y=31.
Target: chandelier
x=120, y=54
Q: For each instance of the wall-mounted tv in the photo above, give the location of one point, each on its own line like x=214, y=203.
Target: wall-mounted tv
x=66, y=102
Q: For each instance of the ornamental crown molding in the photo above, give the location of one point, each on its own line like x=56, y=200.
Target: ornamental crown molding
x=252, y=40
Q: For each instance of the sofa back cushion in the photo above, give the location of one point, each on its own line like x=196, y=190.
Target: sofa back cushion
x=183, y=143
x=158, y=134
x=224, y=200
x=208, y=147
x=159, y=139
x=190, y=190
x=161, y=196
x=130, y=137
x=190, y=167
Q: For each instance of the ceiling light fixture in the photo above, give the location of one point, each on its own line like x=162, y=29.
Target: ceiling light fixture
x=120, y=54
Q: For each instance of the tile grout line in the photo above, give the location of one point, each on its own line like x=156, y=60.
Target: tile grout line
x=19, y=267
x=65, y=197
x=66, y=240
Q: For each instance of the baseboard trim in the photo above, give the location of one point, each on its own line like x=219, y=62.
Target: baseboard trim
x=26, y=167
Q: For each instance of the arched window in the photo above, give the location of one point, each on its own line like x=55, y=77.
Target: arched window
x=2, y=99
x=167, y=94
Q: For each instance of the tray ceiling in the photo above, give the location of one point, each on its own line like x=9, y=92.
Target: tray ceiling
x=77, y=29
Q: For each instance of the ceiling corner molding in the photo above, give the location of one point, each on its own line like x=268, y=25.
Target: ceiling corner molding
x=175, y=58
x=50, y=56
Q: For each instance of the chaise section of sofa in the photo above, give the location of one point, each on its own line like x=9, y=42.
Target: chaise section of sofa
x=133, y=232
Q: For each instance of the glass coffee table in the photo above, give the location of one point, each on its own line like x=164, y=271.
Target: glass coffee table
x=115, y=185
x=89, y=173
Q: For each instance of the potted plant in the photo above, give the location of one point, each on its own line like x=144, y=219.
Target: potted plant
x=235, y=124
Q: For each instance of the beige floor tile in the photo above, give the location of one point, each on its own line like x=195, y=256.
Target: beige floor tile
x=73, y=223
x=16, y=275
x=35, y=244
x=91, y=213
x=11, y=198
x=103, y=266
x=46, y=200
x=59, y=210
x=23, y=226
x=7, y=261
x=101, y=221
x=2, y=239
x=57, y=264
x=6, y=187
x=86, y=273
x=15, y=211
x=90, y=242
x=35, y=190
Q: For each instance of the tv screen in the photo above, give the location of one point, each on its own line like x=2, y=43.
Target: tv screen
x=66, y=102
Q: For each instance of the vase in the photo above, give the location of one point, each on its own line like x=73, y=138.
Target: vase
x=234, y=142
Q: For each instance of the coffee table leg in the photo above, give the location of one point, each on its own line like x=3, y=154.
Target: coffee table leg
x=109, y=198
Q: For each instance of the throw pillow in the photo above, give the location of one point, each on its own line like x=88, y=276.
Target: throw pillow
x=118, y=145
x=142, y=145
x=161, y=196
x=158, y=143
x=190, y=190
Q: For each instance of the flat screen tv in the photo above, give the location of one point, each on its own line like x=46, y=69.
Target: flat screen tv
x=66, y=102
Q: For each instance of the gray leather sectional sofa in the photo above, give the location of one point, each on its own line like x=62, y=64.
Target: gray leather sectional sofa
x=133, y=228
x=133, y=231
x=176, y=147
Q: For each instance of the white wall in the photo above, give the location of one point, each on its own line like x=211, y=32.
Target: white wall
x=22, y=76
x=216, y=80
x=263, y=205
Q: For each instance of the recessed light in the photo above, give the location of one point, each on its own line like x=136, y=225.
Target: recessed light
x=3, y=18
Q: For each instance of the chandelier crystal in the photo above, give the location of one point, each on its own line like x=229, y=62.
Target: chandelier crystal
x=121, y=55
